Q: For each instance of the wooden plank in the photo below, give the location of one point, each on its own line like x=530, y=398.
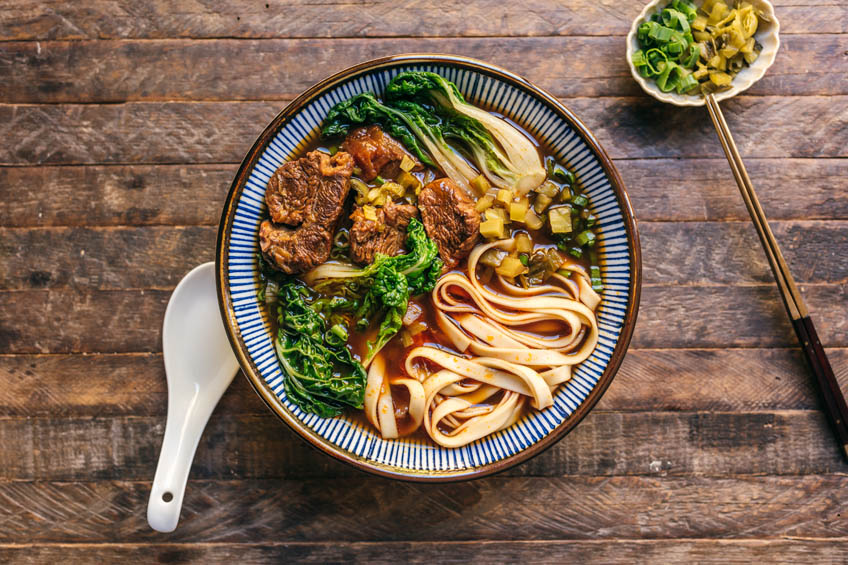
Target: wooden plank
x=156, y=70
x=120, y=321
x=723, y=316
x=118, y=258
x=660, y=189
x=158, y=257
x=704, y=189
x=721, y=380
x=775, y=551
x=102, y=19
x=261, y=447
x=221, y=132
x=371, y=509
x=113, y=195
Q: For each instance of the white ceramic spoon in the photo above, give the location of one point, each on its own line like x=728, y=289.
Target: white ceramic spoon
x=200, y=365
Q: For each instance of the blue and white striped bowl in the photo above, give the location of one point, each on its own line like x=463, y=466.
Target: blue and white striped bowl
x=549, y=122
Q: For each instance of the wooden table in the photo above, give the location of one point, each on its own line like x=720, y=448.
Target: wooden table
x=121, y=130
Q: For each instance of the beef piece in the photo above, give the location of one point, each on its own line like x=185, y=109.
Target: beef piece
x=291, y=188
x=450, y=219
x=385, y=236
x=375, y=152
x=327, y=182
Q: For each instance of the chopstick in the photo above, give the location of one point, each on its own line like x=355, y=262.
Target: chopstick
x=834, y=401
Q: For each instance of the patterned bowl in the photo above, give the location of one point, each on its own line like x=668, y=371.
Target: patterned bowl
x=345, y=438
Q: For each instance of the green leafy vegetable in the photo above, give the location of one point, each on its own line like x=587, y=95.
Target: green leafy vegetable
x=384, y=287
x=424, y=110
x=321, y=375
x=410, y=123
x=503, y=153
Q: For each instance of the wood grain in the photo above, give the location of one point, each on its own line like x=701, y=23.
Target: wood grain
x=119, y=321
x=370, y=509
x=109, y=71
x=721, y=380
x=660, y=190
x=158, y=257
x=221, y=132
x=774, y=551
x=261, y=447
x=103, y=19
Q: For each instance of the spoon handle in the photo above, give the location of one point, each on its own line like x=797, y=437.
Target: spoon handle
x=187, y=417
x=834, y=401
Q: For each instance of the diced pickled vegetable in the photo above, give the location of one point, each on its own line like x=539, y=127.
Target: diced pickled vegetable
x=524, y=258
x=533, y=220
x=417, y=327
x=504, y=196
x=580, y=200
x=370, y=212
x=492, y=228
x=484, y=203
x=523, y=243
x=406, y=338
x=511, y=267
x=495, y=212
x=517, y=210
x=407, y=163
x=720, y=79
x=480, y=184
x=699, y=23
x=408, y=181
x=361, y=189
x=548, y=189
x=541, y=203
x=493, y=257
x=560, y=219
x=393, y=188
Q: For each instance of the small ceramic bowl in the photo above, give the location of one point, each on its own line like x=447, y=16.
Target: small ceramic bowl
x=768, y=34
x=346, y=437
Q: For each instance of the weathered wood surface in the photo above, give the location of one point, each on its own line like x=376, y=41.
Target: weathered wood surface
x=221, y=132
x=364, y=508
x=123, y=125
x=660, y=190
x=258, y=447
x=98, y=71
x=774, y=551
x=720, y=380
x=104, y=19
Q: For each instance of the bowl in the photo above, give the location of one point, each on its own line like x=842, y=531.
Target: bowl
x=347, y=438
x=768, y=34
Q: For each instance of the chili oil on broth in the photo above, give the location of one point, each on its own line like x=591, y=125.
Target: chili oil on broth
x=395, y=352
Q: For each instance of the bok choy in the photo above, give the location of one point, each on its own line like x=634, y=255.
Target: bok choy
x=507, y=157
x=425, y=111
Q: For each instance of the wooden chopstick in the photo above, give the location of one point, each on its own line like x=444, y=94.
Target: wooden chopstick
x=835, y=405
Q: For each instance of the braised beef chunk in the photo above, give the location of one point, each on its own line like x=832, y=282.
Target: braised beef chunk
x=375, y=152
x=386, y=235
x=310, y=192
x=450, y=219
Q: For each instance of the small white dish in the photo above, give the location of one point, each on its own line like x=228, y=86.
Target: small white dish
x=768, y=35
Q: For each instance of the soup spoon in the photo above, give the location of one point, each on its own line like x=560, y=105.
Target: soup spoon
x=199, y=366
x=768, y=36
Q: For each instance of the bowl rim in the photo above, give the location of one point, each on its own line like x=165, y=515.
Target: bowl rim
x=305, y=432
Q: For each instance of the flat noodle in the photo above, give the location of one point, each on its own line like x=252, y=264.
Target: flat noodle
x=468, y=398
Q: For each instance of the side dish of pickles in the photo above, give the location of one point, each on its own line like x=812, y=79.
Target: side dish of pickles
x=693, y=50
